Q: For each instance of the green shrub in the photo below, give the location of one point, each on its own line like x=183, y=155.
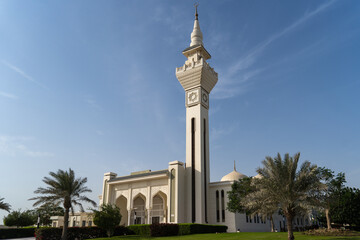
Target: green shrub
x=107, y=218
x=16, y=232
x=73, y=232
x=164, y=229
x=194, y=228
x=122, y=230
x=78, y=232
x=20, y=219
x=140, y=229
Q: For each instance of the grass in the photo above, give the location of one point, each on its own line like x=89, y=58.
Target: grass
x=237, y=236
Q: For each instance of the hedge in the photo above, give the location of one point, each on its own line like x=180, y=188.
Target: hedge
x=16, y=232
x=154, y=230
x=140, y=229
x=182, y=229
x=194, y=228
x=77, y=232
x=164, y=229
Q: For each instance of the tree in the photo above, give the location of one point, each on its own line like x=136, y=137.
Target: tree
x=346, y=209
x=239, y=189
x=239, y=203
x=283, y=184
x=259, y=202
x=63, y=187
x=47, y=210
x=20, y=219
x=329, y=194
x=107, y=218
x=4, y=206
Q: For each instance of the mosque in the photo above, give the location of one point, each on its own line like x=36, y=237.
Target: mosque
x=183, y=193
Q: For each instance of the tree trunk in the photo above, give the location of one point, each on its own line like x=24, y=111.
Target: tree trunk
x=272, y=224
x=328, y=222
x=289, y=220
x=66, y=224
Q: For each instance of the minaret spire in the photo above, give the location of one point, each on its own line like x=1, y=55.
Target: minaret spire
x=196, y=35
x=234, y=166
x=196, y=13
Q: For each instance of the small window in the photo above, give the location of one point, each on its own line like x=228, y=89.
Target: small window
x=247, y=218
x=90, y=223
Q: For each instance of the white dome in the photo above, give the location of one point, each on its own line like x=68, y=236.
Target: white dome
x=233, y=176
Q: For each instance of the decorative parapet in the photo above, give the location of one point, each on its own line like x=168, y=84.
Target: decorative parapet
x=193, y=64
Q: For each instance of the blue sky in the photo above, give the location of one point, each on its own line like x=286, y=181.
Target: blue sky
x=91, y=85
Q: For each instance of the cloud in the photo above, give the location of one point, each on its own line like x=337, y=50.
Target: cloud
x=15, y=145
x=233, y=84
x=8, y=95
x=92, y=103
x=22, y=73
x=217, y=133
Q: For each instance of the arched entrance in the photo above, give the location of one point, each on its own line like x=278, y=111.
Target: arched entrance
x=138, y=214
x=158, y=209
x=121, y=202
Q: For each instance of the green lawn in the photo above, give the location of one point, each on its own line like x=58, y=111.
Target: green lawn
x=233, y=236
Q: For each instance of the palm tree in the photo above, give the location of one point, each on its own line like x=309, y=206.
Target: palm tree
x=291, y=189
x=4, y=206
x=63, y=188
x=259, y=202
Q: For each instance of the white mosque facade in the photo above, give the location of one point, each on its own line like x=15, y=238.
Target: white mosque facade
x=182, y=193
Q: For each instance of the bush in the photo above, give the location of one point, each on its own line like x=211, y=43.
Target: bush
x=76, y=232
x=164, y=229
x=194, y=228
x=147, y=230
x=6, y=233
x=122, y=230
x=73, y=232
x=107, y=218
x=140, y=229
x=20, y=219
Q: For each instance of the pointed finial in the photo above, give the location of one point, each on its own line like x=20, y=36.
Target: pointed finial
x=196, y=35
x=196, y=13
x=234, y=166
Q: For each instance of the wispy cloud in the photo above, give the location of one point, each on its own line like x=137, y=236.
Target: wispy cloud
x=23, y=74
x=8, y=95
x=230, y=87
x=17, y=145
x=92, y=102
x=217, y=133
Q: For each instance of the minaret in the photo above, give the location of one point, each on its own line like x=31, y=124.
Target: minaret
x=198, y=79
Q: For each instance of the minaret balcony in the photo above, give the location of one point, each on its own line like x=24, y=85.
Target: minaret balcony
x=197, y=74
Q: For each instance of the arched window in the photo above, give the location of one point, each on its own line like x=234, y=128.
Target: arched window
x=222, y=205
x=217, y=206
